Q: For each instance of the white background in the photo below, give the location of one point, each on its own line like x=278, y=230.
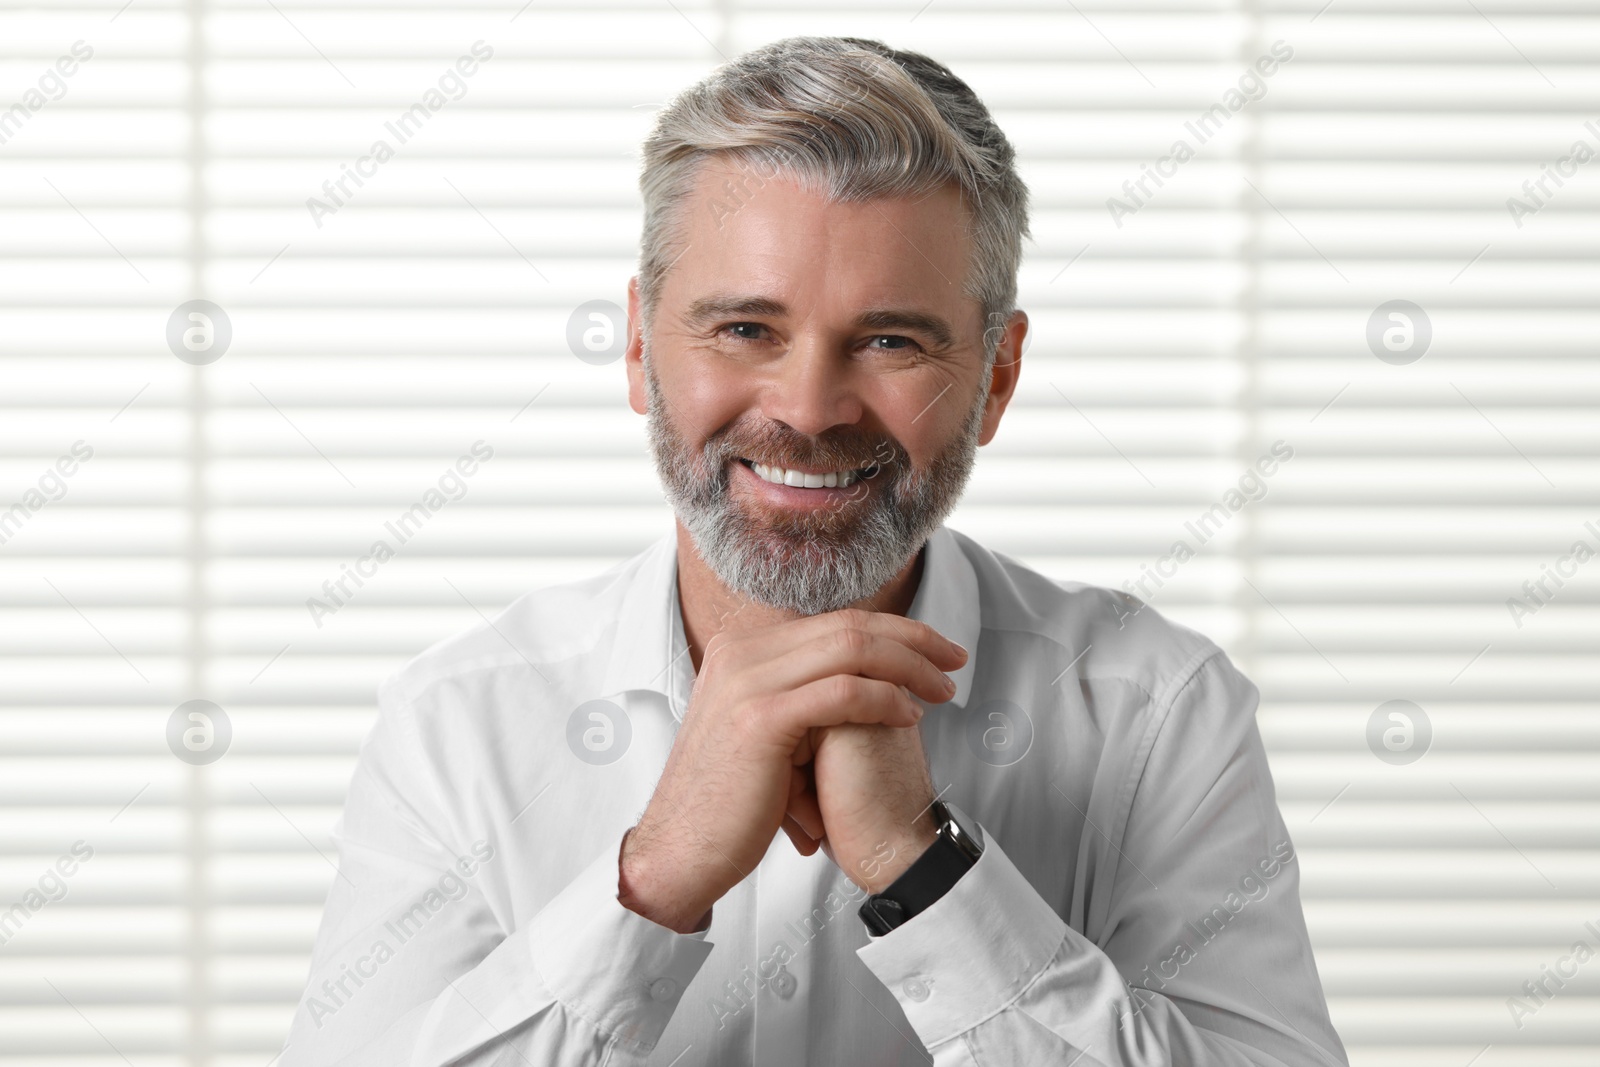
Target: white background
x=430, y=311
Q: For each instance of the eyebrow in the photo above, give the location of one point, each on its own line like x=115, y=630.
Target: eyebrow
x=707, y=308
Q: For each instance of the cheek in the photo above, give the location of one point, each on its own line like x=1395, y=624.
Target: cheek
x=712, y=392
x=703, y=396
x=925, y=417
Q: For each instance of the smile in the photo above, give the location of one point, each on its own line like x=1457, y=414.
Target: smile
x=799, y=479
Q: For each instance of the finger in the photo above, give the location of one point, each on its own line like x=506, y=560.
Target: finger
x=913, y=633
x=803, y=842
x=861, y=651
x=804, y=808
x=842, y=698
x=767, y=645
x=806, y=750
x=943, y=653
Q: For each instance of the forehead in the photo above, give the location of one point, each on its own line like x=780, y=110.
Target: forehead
x=745, y=231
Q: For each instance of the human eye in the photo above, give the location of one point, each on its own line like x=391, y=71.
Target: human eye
x=755, y=327
x=909, y=343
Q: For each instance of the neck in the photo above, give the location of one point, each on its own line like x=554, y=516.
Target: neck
x=709, y=606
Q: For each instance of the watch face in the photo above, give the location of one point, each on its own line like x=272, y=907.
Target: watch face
x=968, y=833
x=881, y=915
x=954, y=852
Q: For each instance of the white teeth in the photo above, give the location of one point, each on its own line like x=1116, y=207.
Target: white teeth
x=800, y=479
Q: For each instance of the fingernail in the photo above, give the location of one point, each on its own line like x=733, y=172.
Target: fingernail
x=949, y=684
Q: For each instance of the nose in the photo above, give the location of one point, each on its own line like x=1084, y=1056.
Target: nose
x=811, y=388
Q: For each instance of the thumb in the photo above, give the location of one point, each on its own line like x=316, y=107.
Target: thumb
x=803, y=842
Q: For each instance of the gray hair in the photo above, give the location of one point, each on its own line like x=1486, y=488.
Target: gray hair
x=855, y=118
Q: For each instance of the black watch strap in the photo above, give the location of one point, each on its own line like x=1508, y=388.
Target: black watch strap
x=928, y=878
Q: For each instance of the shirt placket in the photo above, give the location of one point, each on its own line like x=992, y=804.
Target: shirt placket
x=785, y=967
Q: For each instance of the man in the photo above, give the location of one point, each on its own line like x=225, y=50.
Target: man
x=1024, y=822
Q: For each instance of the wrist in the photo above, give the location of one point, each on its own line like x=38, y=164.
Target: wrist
x=644, y=888
x=920, y=837
x=926, y=880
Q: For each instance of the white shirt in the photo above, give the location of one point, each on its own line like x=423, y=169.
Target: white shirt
x=1136, y=902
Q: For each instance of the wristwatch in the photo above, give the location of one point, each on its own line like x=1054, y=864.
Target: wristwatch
x=952, y=854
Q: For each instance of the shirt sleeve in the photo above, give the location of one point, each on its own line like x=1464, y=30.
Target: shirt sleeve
x=1199, y=957
x=412, y=965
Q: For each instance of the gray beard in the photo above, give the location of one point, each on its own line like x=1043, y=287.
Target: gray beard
x=829, y=558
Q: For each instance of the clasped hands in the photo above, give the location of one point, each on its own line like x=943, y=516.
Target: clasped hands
x=805, y=725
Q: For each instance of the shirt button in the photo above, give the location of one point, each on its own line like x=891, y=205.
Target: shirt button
x=916, y=989
x=663, y=989
x=783, y=983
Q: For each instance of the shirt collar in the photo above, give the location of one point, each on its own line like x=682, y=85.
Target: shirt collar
x=649, y=649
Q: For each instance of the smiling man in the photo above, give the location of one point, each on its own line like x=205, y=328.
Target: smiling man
x=1025, y=822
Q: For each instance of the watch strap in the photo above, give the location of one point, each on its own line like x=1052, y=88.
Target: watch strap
x=928, y=878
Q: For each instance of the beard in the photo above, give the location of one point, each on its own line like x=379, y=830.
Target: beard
x=827, y=558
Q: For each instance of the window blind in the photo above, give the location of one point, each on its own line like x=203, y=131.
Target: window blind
x=1312, y=370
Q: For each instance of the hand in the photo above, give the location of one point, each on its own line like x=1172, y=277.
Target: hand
x=735, y=767
x=873, y=790
x=876, y=799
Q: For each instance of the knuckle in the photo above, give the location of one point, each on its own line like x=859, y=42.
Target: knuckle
x=855, y=618
x=853, y=641
x=846, y=688
x=749, y=717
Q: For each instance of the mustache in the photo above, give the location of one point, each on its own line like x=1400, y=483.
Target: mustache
x=775, y=444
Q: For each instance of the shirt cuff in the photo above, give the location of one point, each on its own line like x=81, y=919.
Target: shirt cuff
x=614, y=967
x=971, y=953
